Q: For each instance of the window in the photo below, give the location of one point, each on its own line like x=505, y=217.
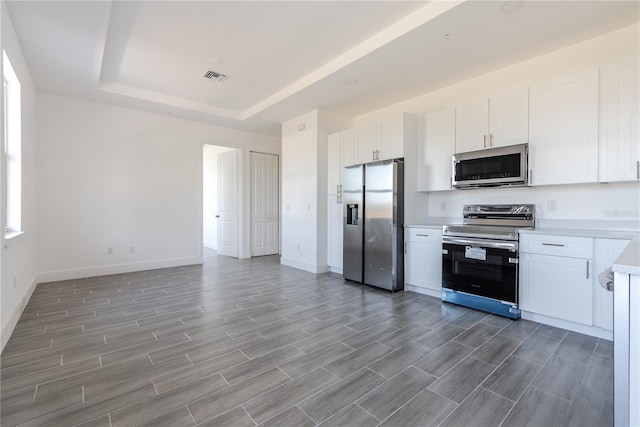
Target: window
x=12, y=147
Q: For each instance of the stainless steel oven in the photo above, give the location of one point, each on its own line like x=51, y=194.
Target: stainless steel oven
x=480, y=258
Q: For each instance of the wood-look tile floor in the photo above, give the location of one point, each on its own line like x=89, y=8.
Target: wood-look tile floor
x=251, y=342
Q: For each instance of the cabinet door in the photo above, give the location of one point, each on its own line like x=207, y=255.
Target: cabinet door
x=619, y=117
x=366, y=143
x=435, y=151
x=348, y=149
x=509, y=118
x=606, y=252
x=472, y=124
x=334, y=163
x=557, y=287
x=423, y=265
x=335, y=231
x=563, y=143
x=392, y=136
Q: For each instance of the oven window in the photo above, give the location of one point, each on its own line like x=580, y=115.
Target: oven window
x=506, y=166
x=493, y=277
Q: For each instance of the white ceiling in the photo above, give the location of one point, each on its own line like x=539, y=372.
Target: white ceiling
x=288, y=57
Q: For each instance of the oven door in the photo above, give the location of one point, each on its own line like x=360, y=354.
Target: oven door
x=488, y=268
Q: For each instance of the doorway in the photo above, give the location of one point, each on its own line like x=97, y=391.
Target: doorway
x=220, y=200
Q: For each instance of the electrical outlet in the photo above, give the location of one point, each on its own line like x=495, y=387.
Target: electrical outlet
x=298, y=247
x=443, y=206
x=552, y=205
x=132, y=249
x=15, y=282
x=109, y=251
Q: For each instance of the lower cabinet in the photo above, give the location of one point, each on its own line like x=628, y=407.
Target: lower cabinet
x=423, y=260
x=557, y=286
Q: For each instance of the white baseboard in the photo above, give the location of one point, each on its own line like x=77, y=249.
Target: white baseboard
x=301, y=265
x=105, y=270
x=423, y=291
x=336, y=270
x=7, y=329
x=593, y=331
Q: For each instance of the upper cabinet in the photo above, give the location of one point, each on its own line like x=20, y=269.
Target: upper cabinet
x=435, y=151
x=619, y=113
x=384, y=140
x=495, y=122
x=563, y=137
x=340, y=154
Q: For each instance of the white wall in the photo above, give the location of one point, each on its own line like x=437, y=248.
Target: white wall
x=111, y=177
x=18, y=256
x=588, y=202
x=304, y=190
x=210, y=194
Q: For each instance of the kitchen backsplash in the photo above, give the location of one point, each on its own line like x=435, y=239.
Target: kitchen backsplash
x=614, y=205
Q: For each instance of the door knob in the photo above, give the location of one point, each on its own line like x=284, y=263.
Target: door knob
x=217, y=216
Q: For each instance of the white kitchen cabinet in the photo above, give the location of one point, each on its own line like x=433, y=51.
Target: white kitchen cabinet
x=495, y=122
x=340, y=154
x=435, y=151
x=619, y=117
x=385, y=139
x=563, y=130
x=335, y=232
x=556, y=277
x=423, y=259
x=605, y=253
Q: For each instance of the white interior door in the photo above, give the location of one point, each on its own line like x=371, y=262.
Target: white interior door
x=264, y=204
x=228, y=203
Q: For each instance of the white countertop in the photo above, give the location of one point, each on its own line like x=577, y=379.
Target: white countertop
x=629, y=260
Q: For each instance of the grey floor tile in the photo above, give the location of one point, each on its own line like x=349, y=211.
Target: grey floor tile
x=352, y=415
x=577, y=347
x=519, y=329
x=336, y=397
x=323, y=356
x=168, y=401
x=147, y=347
x=213, y=405
x=275, y=401
x=253, y=367
x=560, y=377
x=387, y=398
x=398, y=360
x=537, y=348
x=481, y=408
x=193, y=373
x=590, y=409
x=427, y=409
x=538, y=408
x=460, y=381
x=292, y=417
x=440, y=336
x=512, y=378
x=352, y=362
x=599, y=375
x=441, y=360
x=177, y=418
x=236, y=417
x=368, y=336
x=476, y=335
x=551, y=332
x=496, y=349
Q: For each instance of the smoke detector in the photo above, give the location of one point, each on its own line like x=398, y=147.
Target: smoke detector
x=214, y=75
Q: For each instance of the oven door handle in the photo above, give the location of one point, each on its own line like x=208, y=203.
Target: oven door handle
x=484, y=243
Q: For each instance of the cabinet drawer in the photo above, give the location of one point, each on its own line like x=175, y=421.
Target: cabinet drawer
x=423, y=235
x=573, y=247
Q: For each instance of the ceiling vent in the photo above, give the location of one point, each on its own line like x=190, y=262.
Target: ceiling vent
x=214, y=75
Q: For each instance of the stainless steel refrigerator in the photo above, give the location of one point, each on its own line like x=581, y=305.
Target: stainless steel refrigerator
x=373, y=200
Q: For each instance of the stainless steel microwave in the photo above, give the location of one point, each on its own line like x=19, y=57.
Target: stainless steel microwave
x=493, y=167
